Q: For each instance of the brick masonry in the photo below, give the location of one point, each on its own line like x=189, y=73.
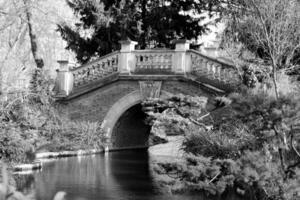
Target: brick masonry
x=94, y=106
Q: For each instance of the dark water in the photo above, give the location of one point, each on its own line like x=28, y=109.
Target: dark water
x=114, y=176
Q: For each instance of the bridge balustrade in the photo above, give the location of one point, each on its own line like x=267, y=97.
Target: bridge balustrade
x=129, y=61
x=153, y=62
x=95, y=70
x=209, y=68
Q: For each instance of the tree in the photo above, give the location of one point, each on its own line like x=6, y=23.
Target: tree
x=32, y=36
x=152, y=23
x=21, y=47
x=270, y=29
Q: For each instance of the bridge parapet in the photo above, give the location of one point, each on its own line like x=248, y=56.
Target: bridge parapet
x=95, y=70
x=153, y=61
x=209, y=68
x=129, y=61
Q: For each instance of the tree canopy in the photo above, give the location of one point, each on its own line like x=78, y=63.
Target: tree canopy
x=269, y=28
x=102, y=24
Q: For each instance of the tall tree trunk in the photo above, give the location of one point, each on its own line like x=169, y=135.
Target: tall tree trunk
x=274, y=78
x=33, y=42
x=144, y=26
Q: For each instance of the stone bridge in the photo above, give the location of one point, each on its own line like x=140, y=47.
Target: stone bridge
x=110, y=89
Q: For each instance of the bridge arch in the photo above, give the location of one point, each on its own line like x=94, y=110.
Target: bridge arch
x=124, y=112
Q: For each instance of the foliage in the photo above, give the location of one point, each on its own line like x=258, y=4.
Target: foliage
x=13, y=143
x=173, y=116
x=152, y=23
x=252, y=173
x=270, y=29
x=30, y=122
x=198, y=173
x=17, y=61
x=257, y=132
x=228, y=141
x=78, y=135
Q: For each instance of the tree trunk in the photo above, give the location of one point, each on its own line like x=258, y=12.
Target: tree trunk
x=275, y=85
x=144, y=27
x=274, y=78
x=33, y=42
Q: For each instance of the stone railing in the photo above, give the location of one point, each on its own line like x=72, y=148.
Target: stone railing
x=95, y=70
x=213, y=69
x=153, y=61
x=129, y=61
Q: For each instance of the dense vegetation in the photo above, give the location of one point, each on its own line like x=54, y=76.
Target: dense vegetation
x=250, y=143
x=30, y=122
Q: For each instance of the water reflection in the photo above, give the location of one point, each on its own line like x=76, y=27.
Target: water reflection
x=123, y=175
x=118, y=175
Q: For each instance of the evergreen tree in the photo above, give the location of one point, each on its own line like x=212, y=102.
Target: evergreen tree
x=151, y=23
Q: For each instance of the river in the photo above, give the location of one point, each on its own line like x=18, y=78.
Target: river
x=125, y=175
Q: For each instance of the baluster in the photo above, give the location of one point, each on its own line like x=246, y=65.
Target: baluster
x=218, y=72
x=209, y=70
x=161, y=63
x=222, y=74
x=115, y=63
x=83, y=75
x=80, y=74
x=137, y=65
x=108, y=66
x=166, y=62
x=203, y=68
x=195, y=64
x=226, y=75
x=89, y=74
x=200, y=66
x=154, y=63
x=95, y=75
x=150, y=62
x=213, y=70
x=170, y=61
x=97, y=70
x=75, y=78
x=230, y=75
x=145, y=62
x=235, y=77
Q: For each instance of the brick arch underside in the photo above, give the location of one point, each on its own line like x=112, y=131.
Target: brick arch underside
x=125, y=122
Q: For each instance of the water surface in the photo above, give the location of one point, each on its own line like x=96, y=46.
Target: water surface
x=115, y=176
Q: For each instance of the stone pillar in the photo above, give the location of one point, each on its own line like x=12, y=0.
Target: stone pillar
x=127, y=60
x=180, y=62
x=64, y=80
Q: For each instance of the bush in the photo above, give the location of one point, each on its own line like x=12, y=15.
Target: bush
x=222, y=143
x=30, y=121
x=79, y=135
x=13, y=145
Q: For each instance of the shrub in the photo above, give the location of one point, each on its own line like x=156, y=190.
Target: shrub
x=13, y=145
x=219, y=143
x=80, y=135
